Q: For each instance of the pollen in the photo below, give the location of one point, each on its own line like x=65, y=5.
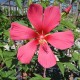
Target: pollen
x=42, y=40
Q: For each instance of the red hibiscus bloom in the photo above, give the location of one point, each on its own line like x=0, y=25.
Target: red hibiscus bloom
x=43, y=23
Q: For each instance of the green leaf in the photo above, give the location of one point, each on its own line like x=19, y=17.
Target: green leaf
x=8, y=54
x=59, y=28
x=7, y=74
x=68, y=24
x=10, y=74
x=25, y=68
x=76, y=56
x=61, y=67
x=76, y=34
x=22, y=22
x=71, y=66
x=39, y=77
x=35, y=78
x=1, y=54
x=79, y=63
x=12, y=78
x=19, y=3
x=6, y=32
x=8, y=62
x=61, y=1
x=1, y=44
x=3, y=74
x=4, y=17
x=11, y=43
x=45, y=3
x=46, y=78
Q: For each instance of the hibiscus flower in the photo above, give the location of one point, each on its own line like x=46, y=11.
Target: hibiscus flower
x=43, y=22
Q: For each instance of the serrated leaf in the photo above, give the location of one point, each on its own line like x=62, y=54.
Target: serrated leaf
x=46, y=78
x=1, y=44
x=1, y=53
x=19, y=3
x=4, y=17
x=10, y=73
x=21, y=22
x=79, y=63
x=39, y=78
x=35, y=78
x=37, y=75
x=12, y=78
x=11, y=43
x=71, y=66
x=9, y=54
x=76, y=56
x=8, y=62
x=45, y=3
x=60, y=28
x=6, y=32
x=3, y=74
x=61, y=67
x=67, y=23
x=25, y=68
x=61, y=1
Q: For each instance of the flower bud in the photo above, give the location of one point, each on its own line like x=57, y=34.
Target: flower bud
x=67, y=10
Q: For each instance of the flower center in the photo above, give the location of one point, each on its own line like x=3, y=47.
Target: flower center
x=42, y=39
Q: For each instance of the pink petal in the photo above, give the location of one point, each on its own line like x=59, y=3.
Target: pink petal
x=61, y=40
x=51, y=18
x=34, y=14
x=20, y=32
x=26, y=52
x=46, y=57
